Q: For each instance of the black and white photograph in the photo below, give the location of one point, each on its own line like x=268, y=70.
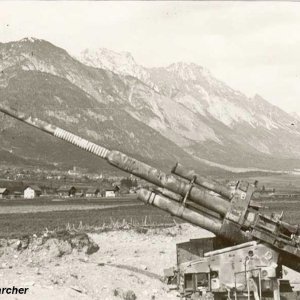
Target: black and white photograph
x=149, y=150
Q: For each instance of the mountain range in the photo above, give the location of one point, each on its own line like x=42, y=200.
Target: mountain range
x=160, y=115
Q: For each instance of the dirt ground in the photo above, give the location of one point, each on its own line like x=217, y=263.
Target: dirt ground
x=128, y=265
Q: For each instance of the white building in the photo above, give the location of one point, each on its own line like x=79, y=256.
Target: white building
x=110, y=193
x=32, y=192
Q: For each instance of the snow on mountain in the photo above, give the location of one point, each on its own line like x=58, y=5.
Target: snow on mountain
x=118, y=62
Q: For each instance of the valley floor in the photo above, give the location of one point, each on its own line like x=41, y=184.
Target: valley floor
x=23, y=217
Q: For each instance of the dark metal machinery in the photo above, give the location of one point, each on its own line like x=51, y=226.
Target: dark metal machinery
x=231, y=215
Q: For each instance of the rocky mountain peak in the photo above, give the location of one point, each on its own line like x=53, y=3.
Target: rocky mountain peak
x=118, y=62
x=30, y=46
x=121, y=63
x=30, y=40
x=188, y=71
x=106, y=58
x=192, y=73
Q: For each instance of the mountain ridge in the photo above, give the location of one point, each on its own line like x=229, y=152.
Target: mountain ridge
x=181, y=105
x=172, y=87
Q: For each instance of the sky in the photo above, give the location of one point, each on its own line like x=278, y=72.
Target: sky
x=254, y=47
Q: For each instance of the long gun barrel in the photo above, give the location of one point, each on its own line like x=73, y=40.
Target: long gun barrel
x=128, y=164
x=189, y=196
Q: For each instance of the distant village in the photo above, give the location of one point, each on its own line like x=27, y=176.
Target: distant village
x=65, y=191
x=29, y=184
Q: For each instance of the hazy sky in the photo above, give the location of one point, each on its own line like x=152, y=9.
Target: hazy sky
x=252, y=46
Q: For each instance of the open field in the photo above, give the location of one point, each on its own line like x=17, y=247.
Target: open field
x=19, y=217
x=16, y=223
x=44, y=204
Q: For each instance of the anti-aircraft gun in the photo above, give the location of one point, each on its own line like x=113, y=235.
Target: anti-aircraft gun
x=245, y=258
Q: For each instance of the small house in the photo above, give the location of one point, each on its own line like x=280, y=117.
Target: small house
x=92, y=192
x=110, y=193
x=66, y=191
x=3, y=193
x=32, y=191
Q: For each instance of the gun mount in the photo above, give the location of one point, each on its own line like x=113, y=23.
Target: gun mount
x=265, y=243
